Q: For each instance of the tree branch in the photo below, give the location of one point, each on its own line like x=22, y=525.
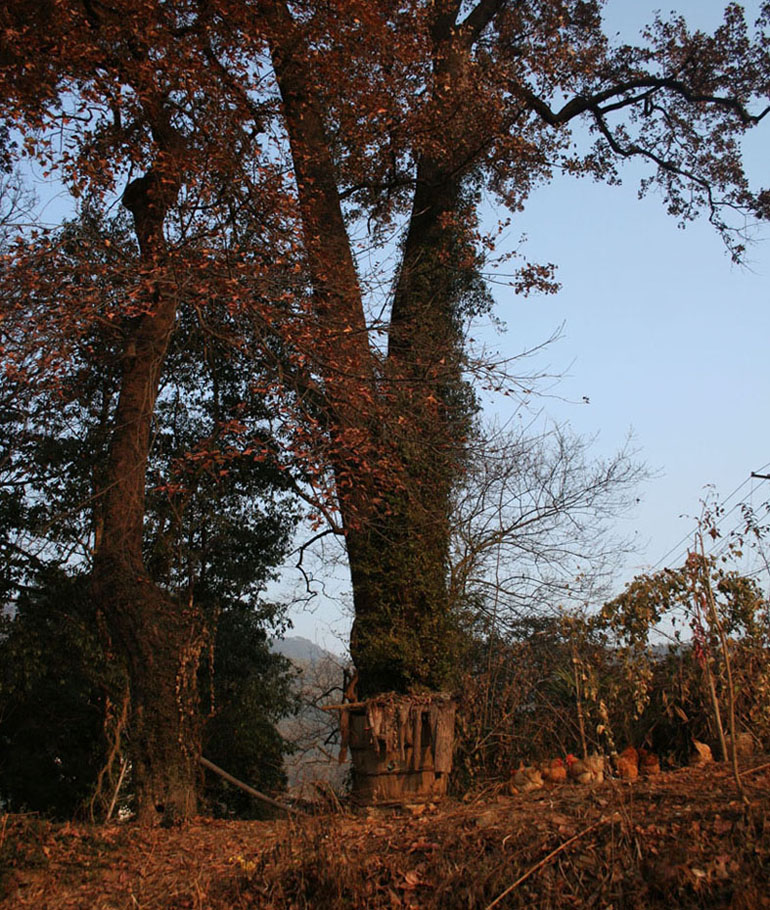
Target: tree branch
x=582, y=104
x=479, y=18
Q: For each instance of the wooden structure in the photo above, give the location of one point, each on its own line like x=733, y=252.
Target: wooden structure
x=400, y=745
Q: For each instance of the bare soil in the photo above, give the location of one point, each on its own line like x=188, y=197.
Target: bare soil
x=682, y=839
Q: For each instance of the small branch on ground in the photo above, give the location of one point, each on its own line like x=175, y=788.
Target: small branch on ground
x=547, y=859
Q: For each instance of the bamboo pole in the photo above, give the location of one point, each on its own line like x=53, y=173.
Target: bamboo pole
x=551, y=855
x=246, y=788
x=123, y=766
x=733, y=756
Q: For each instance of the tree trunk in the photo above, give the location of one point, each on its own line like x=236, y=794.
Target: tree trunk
x=161, y=646
x=404, y=636
x=158, y=640
x=398, y=430
x=414, y=422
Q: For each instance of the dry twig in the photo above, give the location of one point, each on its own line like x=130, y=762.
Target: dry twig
x=754, y=770
x=547, y=859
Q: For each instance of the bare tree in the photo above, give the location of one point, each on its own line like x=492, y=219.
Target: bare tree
x=532, y=521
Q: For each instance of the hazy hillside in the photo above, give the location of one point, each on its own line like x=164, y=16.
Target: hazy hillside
x=301, y=650
x=313, y=732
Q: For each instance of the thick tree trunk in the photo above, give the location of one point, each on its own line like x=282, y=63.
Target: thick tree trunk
x=160, y=644
x=396, y=518
x=397, y=439
x=158, y=640
x=404, y=636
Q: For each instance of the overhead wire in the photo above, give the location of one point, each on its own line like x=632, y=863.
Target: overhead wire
x=722, y=542
x=677, y=548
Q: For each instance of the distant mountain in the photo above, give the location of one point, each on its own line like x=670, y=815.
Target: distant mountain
x=312, y=731
x=301, y=650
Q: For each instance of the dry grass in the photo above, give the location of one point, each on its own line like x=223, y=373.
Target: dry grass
x=680, y=840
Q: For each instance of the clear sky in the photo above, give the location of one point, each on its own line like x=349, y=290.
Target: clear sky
x=662, y=333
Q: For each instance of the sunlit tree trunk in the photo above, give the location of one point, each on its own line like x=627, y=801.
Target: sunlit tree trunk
x=395, y=520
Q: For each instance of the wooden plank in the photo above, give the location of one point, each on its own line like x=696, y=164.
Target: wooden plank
x=443, y=745
x=404, y=738
x=416, y=737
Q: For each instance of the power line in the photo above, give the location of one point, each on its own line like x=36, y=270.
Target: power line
x=718, y=549
x=687, y=537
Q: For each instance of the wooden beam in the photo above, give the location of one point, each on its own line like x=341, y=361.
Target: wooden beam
x=345, y=707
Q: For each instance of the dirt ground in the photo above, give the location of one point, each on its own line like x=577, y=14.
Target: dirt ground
x=682, y=839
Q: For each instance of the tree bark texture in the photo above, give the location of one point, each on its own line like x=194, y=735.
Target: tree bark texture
x=404, y=633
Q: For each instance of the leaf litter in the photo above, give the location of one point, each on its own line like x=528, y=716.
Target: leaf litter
x=683, y=839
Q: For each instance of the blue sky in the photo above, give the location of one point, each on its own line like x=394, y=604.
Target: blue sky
x=662, y=333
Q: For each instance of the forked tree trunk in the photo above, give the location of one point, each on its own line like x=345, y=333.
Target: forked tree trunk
x=396, y=519
x=404, y=637
x=158, y=640
x=396, y=526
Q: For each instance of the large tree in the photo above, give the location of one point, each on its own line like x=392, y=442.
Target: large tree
x=130, y=99
x=216, y=523
x=403, y=113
